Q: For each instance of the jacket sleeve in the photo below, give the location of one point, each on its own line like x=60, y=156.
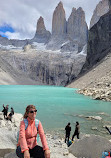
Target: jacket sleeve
x=42, y=136
x=22, y=137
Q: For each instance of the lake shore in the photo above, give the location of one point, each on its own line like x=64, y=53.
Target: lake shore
x=96, y=82
x=80, y=148
x=8, y=137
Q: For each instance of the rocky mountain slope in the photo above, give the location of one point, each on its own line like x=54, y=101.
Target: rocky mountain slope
x=50, y=59
x=98, y=74
x=36, y=66
x=99, y=42
x=95, y=76
x=11, y=76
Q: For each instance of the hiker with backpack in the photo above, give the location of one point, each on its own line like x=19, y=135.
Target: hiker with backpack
x=5, y=111
x=68, y=130
x=77, y=131
x=27, y=142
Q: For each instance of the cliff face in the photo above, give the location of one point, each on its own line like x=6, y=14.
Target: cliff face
x=77, y=29
x=48, y=68
x=71, y=35
x=59, y=21
x=99, y=42
x=101, y=9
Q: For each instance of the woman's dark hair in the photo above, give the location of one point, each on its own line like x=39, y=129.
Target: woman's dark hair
x=28, y=109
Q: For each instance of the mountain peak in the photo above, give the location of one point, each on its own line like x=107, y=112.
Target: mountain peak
x=73, y=9
x=59, y=20
x=102, y=8
x=60, y=4
x=40, y=25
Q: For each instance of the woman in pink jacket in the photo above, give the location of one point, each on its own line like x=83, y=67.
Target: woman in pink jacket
x=27, y=144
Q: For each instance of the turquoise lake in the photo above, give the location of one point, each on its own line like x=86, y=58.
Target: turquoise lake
x=57, y=106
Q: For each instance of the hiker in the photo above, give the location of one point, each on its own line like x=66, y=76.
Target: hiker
x=27, y=143
x=68, y=130
x=5, y=111
x=10, y=115
x=77, y=131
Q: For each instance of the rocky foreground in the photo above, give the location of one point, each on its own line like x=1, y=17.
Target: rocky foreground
x=8, y=137
x=88, y=146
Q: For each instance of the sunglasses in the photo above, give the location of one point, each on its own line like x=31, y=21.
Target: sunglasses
x=32, y=111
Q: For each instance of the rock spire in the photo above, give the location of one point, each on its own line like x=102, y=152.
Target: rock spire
x=40, y=26
x=59, y=21
x=42, y=35
x=77, y=29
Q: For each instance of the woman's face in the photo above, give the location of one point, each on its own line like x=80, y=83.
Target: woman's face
x=32, y=113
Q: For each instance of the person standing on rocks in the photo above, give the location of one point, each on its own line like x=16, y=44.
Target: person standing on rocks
x=77, y=131
x=27, y=143
x=5, y=111
x=68, y=130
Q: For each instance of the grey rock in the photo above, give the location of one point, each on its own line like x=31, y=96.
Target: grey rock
x=90, y=146
x=13, y=42
x=4, y=152
x=59, y=21
x=101, y=9
x=99, y=42
x=42, y=35
x=77, y=29
x=49, y=68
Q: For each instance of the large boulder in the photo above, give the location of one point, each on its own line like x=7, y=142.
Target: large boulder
x=90, y=146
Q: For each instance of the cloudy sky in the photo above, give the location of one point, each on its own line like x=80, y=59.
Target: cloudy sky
x=18, y=18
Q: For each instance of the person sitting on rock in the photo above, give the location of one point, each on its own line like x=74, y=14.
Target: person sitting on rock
x=77, y=131
x=27, y=142
x=10, y=115
x=12, y=111
x=68, y=130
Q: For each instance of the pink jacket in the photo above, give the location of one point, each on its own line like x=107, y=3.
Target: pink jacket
x=27, y=138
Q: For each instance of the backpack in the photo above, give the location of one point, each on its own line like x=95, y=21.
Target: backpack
x=26, y=125
x=106, y=154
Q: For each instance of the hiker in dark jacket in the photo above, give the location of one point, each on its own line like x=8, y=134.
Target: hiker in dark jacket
x=68, y=130
x=5, y=111
x=77, y=131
